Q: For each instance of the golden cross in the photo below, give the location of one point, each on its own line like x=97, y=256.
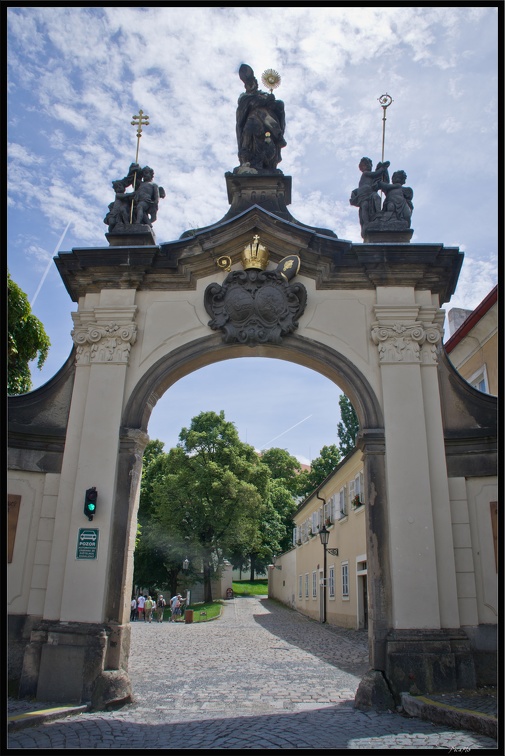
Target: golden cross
x=139, y=121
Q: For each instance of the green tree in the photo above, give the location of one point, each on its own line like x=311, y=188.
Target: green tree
x=347, y=429
x=26, y=340
x=321, y=467
x=284, y=486
x=212, y=492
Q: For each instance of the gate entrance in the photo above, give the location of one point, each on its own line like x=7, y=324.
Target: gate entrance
x=367, y=316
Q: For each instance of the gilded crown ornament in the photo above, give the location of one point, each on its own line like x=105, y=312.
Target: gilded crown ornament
x=255, y=255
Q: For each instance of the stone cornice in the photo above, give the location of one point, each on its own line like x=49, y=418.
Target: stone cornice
x=333, y=263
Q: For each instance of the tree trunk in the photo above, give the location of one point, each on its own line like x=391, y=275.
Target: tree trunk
x=252, y=569
x=207, y=586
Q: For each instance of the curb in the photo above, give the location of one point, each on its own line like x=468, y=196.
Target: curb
x=433, y=711
x=33, y=718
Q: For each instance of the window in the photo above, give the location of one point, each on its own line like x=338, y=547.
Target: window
x=345, y=580
x=314, y=584
x=342, y=511
x=315, y=522
x=352, y=492
x=479, y=380
x=300, y=585
x=331, y=581
x=306, y=585
x=295, y=536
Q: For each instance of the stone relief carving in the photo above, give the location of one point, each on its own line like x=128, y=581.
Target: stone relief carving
x=104, y=342
x=407, y=342
x=255, y=307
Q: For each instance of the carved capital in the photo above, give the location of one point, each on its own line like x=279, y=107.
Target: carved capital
x=103, y=342
x=407, y=342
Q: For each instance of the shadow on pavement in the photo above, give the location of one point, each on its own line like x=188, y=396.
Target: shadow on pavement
x=336, y=727
x=343, y=648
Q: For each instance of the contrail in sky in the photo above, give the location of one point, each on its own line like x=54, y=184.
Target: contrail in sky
x=49, y=265
x=286, y=431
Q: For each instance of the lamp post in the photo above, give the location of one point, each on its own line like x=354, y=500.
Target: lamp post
x=324, y=535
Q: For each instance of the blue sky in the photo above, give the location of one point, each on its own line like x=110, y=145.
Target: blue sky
x=76, y=75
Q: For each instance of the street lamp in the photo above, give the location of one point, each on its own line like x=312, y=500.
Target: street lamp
x=324, y=535
x=185, y=564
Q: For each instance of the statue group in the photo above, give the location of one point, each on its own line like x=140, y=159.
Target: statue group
x=139, y=206
x=396, y=211
x=260, y=127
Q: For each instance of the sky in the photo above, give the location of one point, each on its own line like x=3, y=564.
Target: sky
x=77, y=75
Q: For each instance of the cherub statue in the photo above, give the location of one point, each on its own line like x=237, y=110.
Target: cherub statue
x=147, y=197
x=366, y=196
x=119, y=210
x=398, y=202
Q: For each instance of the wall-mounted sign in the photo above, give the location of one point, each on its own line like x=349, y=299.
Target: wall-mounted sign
x=87, y=543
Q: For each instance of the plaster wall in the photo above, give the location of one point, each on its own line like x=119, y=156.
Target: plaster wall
x=167, y=320
x=27, y=573
x=478, y=348
x=282, y=582
x=348, y=535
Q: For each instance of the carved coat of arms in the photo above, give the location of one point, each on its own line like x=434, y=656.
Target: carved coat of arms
x=256, y=306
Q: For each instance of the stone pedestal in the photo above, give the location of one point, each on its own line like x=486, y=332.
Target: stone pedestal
x=64, y=661
x=387, y=236
x=273, y=193
x=134, y=235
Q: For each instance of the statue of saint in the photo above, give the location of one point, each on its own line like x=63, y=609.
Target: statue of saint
x=260, y=127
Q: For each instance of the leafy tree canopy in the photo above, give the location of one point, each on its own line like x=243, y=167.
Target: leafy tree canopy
x=347, y=429
x=321, y=467
x=212, y=491
x=26, y=340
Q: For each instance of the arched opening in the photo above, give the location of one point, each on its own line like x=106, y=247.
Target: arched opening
x=197, y=354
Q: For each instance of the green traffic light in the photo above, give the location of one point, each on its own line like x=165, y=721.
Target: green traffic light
x=91, y=507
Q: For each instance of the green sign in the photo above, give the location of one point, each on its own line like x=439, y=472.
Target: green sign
x=87, y=543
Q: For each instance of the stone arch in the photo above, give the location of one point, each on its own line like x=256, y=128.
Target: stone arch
x=210, y=349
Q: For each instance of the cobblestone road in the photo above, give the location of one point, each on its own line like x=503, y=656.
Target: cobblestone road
x=261, y=677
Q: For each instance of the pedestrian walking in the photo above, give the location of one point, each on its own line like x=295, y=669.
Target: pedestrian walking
x=148, y=609
x=133, y=609
x=160, y=607
x=140, y=606
x=175, y=606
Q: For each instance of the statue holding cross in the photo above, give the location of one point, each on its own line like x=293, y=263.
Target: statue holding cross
x=138, y=208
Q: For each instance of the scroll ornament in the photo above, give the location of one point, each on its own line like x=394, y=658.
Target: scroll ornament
x=407, y=342
x=104, y=342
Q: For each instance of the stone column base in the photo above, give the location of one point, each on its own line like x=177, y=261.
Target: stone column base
x=64, y=661
x=419, y=662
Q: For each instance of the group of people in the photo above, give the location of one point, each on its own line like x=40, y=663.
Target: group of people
x=143, y=608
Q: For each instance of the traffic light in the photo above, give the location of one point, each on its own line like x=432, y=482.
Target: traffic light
x=90, y=503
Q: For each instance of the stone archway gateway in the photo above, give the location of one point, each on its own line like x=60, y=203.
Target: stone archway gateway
x=367, y=316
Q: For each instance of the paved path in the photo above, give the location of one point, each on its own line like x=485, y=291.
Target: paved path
x=261, y=677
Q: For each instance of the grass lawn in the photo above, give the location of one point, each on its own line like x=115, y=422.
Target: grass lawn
x=247, y=588
x=201, y=612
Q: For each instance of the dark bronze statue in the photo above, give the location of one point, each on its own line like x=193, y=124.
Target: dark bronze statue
x=398, y=202
x=120, y=209
x=145, y=199
x=260, y=127
x=366, y=196
x=391, y=216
